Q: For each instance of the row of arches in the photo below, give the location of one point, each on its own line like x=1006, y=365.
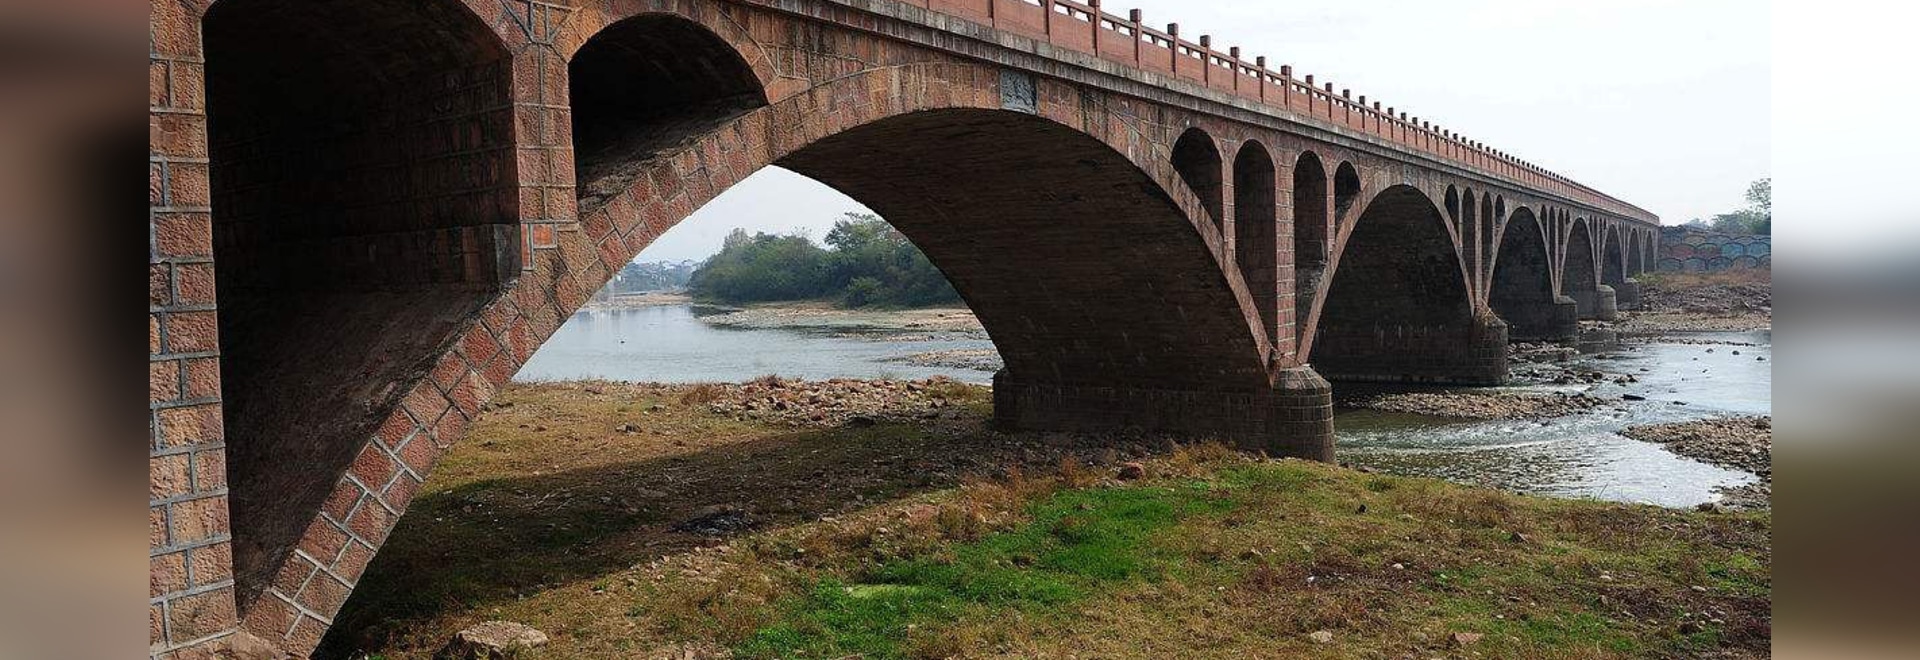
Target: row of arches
x=380, y=253
x=1196, y=158
x=377, y=244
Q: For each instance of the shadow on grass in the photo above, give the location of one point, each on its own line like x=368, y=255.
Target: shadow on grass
x=466, y=548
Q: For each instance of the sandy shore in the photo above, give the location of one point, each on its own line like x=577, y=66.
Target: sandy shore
x=639, y=300
x=824, y=316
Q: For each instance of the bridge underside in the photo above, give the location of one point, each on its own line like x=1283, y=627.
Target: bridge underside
x=1398, y=308
x=402, y=200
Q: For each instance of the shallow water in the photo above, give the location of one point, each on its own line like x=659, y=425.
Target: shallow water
x=669, y=344
x=1577, y=456
x=1585, y=455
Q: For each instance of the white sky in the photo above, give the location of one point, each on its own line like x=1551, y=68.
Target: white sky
x=1662, y=103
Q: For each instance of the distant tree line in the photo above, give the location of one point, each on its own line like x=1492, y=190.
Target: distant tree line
x=865, y=263
x=652, y=276
x=1756, y=218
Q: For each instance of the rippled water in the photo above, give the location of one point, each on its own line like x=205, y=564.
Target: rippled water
x=1578, y=456
x=1585, y=455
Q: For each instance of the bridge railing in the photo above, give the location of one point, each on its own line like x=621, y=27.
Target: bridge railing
x=1086, y=28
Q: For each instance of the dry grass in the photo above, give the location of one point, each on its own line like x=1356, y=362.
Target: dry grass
x=911, y=541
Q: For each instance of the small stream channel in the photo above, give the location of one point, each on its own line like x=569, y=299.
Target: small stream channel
x=1682, y=378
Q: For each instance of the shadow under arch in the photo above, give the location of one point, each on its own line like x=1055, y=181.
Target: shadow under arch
x=365, y=209
x=1398, y=308
x=1346, y=191
x=1255, y=233
x=1310, y=245
x=1522, y=287
x=1197, y=160
x=646, y=85
x=1614, y=273
x=1580, y=274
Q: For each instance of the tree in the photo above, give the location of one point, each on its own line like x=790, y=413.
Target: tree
x=868, y=263
x=1756, y=218
x=1760, y=196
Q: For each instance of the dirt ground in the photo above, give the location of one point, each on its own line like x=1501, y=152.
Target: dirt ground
x=1732, y=301
x=889, y=520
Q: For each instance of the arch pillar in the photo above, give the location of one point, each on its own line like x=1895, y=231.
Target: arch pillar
x=1601, y=303
x=1626, y=295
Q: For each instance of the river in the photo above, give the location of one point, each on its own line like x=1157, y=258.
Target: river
x=1709, y=375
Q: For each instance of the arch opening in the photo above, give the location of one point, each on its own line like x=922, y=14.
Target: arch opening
x=1636, y=256
x=1310, y=221
x=1398, y=308
x=1614, y=274
x=996, y=231
x=1045, y=246
x=1255, y=231
x=364, y=195
x=1522, y=288
x=1346, y=191
x=1197, y=160
x=1580, y=275
x=1453, y=207
x=1613, y=262
x=647, y=85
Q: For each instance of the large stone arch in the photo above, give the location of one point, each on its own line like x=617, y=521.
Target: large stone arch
x=1399, y=306
x=364, y=212
x=1522, y=291
x=1077, y=215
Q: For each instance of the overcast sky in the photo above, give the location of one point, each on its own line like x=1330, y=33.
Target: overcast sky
x=1662, y=103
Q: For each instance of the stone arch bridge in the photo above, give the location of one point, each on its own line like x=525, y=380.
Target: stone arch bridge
x=400, y=200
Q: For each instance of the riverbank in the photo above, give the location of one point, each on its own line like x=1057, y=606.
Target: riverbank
x=639, y=300
x=650, y=521
x=821, y=316
x=1744, y=444
x=1731, y=301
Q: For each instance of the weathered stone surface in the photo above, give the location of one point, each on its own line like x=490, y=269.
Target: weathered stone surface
x=493, y=640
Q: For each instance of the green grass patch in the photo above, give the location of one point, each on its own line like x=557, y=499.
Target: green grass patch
x=1077, y=543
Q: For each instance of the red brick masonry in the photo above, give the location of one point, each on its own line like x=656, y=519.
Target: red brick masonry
x=365, y=215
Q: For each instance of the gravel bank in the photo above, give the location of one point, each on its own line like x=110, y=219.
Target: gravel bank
x=818, y=316
x=983, y=359
x=1741, y=444
x=1477, y=405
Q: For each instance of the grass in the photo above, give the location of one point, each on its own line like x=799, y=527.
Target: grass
x=1213, y=554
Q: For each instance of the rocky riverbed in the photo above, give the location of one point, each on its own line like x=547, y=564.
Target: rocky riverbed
x=1476, y=405
x=985, y=359
x=1739, y=443
x=836, y=402
x=1718, y=302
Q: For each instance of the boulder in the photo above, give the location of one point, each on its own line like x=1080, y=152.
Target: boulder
x=493, y=640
